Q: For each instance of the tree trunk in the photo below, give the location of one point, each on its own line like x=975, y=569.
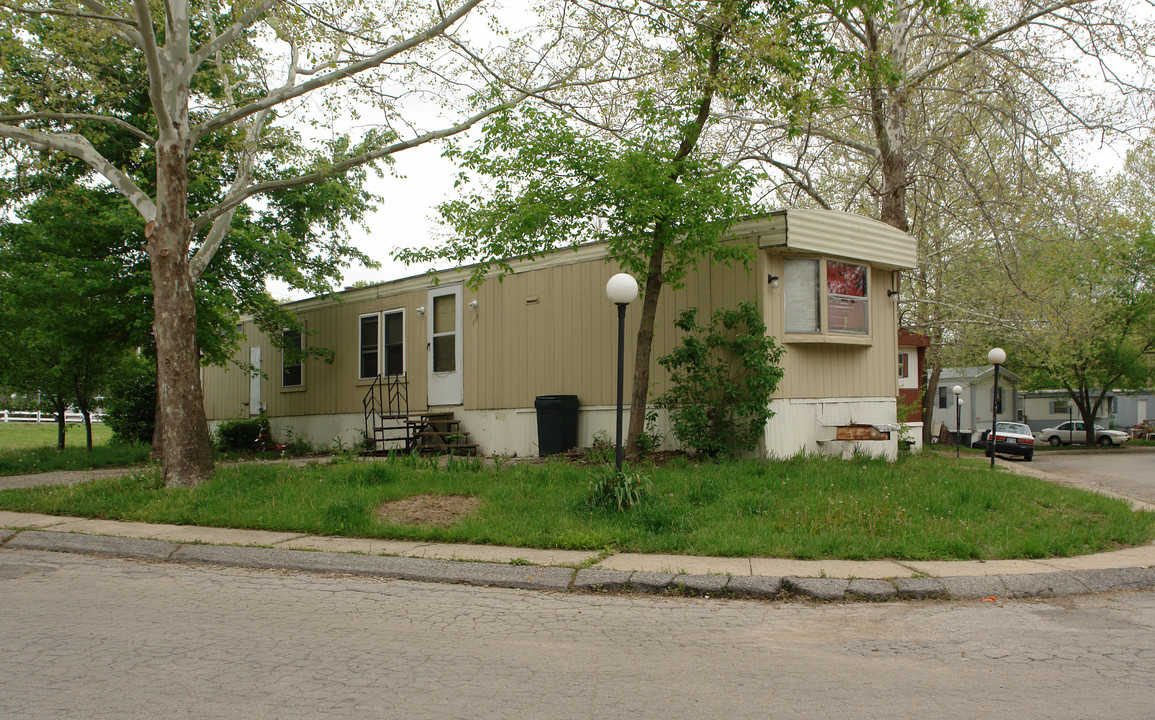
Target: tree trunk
x=929, y=398
x=157, y=451
x=61, y=409
x=87, y=428
x=888, y=118
x=186, y=455
x=893, y=200
x=645, y=345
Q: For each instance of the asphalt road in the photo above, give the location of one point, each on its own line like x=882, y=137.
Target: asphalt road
x=102, y=638
x=1129, y=472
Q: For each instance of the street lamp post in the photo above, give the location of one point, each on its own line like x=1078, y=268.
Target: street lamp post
x=622, y=289
x=996, y=357
x=957, y=390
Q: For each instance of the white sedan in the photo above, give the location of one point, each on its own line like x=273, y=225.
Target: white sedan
x=1061, y=435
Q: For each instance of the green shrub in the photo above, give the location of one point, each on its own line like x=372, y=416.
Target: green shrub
x=649, y=439
x=721, y=380
x=130, y=401
x=240, y=435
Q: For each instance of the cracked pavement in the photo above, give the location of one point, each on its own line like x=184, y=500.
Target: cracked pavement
x=97, y=637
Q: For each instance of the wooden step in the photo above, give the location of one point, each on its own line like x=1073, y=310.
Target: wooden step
x=433, y=423
x=470, y=449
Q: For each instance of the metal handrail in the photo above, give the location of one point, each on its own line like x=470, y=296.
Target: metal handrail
x=387, y=396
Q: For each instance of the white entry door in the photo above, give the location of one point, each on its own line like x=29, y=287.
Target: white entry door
x=255, y=380
x=444, y=349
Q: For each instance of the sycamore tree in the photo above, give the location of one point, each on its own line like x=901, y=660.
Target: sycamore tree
x=953, y=109
x=645, y=165
x=238, y=79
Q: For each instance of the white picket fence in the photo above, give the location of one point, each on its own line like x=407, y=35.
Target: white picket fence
x=39, y=417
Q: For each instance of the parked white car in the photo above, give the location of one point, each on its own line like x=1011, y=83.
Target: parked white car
x=1061, y=435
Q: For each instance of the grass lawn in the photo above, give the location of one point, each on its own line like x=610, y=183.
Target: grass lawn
x=27, y=448
x=26, y=436
x=927, y=506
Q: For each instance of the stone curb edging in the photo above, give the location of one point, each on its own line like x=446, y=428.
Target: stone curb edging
x=564, y=579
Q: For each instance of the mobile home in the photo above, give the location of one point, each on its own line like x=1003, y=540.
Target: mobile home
x=977, y=402
x=825, y=282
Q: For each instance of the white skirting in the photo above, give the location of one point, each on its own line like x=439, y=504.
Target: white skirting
x=798, y=426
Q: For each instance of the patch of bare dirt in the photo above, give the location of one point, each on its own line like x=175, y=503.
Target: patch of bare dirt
x=439, y=510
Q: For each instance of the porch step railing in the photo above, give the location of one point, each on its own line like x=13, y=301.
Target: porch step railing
x=386, y=405
x=391, y=427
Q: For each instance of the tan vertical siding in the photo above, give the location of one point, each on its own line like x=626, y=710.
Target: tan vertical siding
x=565, y=343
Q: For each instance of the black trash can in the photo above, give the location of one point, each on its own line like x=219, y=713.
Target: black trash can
x=556, y=423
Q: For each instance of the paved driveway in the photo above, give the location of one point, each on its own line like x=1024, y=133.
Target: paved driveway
x=1129, y=472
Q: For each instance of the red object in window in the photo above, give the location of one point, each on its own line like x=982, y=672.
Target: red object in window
x=845, y=279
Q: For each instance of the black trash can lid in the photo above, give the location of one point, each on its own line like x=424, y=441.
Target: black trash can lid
x=555, y=402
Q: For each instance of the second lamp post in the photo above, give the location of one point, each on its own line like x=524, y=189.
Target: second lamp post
x=622, y=289
x=996, y=357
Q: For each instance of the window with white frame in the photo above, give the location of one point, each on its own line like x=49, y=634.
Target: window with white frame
x=370, y=342
x=1059, y=407
x=381, y=344
x=292, y=363
x=826, y=296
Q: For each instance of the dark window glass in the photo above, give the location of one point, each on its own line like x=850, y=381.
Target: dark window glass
x=369, y=367
x=445, y=353
x=293, y=374
x=394, y=344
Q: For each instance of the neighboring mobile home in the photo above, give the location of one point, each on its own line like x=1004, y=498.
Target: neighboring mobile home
x=1121, y=409
x=911, y=372
x=823, y=280
x=978, y=387
x=1135, y=408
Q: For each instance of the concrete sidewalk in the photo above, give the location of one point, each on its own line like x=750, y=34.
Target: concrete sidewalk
x=576, y=571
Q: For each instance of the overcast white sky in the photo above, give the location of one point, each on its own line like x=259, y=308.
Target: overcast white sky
x=406, y=217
